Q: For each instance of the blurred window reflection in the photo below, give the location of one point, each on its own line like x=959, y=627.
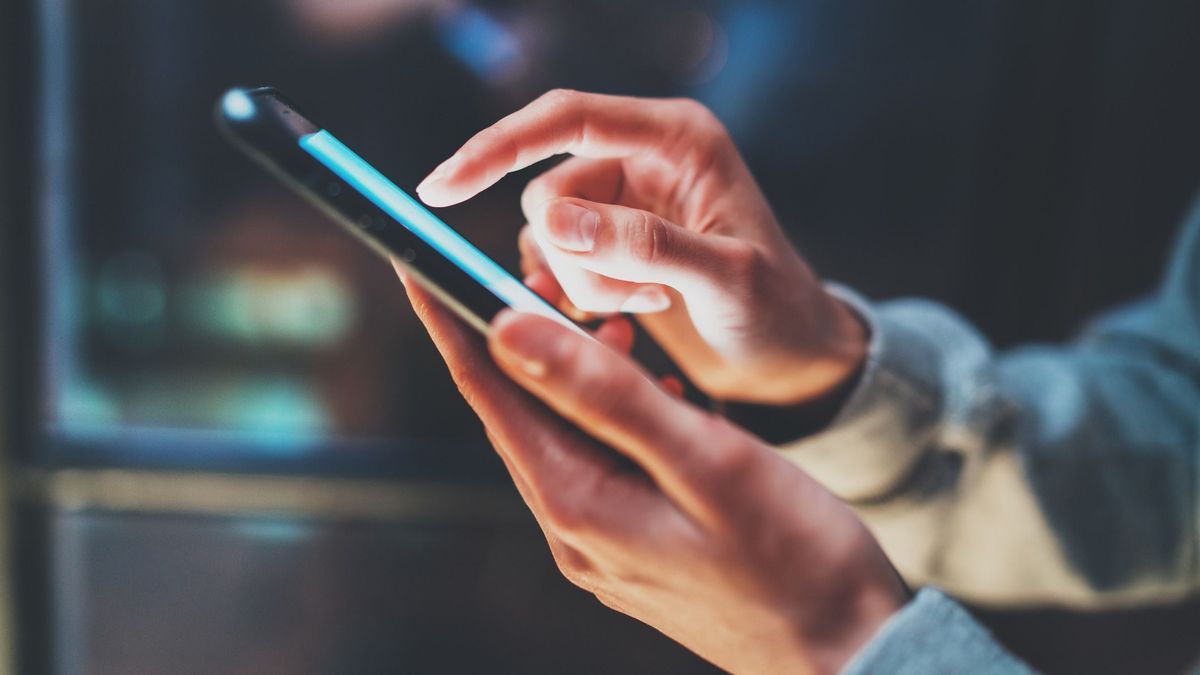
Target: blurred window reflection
x=190, y=293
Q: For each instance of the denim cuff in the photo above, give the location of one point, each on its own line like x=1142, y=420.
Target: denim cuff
x=876, y=438
x=932, y=635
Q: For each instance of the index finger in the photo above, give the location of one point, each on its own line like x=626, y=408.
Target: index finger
x=561, y=121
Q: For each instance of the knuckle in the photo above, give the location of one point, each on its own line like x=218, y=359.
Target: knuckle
x=497, y=139
x=647, y=238
x=565, y=359
x=536, y=192
x=560, y=98
x=694, y=110
x=489, y=136
x=610, y=600
x=606, y=392
x=467, y=378
x=577, y=578
x=699, y=112
x=707, y=139
x=585, y=365
x=626, y=576
x=570, y=513
x=549, y=183
x=570, y=563
x=730, y=458
x=533, y=190
x=745, y=264
x=731, y=462
x=565, y=515
x=577, y=518
x=701, y=119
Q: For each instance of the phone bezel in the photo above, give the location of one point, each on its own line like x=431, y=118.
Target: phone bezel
x=267, y=127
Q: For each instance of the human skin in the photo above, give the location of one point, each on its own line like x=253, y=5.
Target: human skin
x=656, y=214
x=664, y=511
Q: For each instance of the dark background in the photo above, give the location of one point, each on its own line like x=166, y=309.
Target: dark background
x=232, y=449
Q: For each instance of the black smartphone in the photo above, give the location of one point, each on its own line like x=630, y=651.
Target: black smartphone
x=267, y=127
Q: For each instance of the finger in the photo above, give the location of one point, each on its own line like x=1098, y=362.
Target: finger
x=540, y=274
x=544, y=284
x=599, y=180
x=610, y=258
x=486, y=390
x=593, y=294
x=587, y=125
x=673, y=385
x=572, y=485
x=686, y=452
x=532, y=259
x=637, y=246
x=617, y=333
x=596, y=180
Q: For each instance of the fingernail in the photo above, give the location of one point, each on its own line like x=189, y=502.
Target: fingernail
x=571, y=226
x=439, y=174
x=522, y=342
x=647, y=300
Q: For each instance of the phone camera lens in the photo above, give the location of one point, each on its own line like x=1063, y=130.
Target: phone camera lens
x=365, y=221
x=409, y=255
x=333, y=189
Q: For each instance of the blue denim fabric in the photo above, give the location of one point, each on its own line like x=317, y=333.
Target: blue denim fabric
x=934, y=635
x=1050, y=474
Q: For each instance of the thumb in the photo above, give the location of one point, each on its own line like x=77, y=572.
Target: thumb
x=638, y=246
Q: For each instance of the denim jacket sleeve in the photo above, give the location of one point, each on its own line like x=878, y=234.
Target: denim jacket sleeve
x=1064, y=474
x=931, y=636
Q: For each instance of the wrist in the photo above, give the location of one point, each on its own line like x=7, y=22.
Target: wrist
x=858, y=612
x=827, y=643
x=780, y=424
x=820, y=358
x=833, y=653
x=840, y=348
x=807, y=397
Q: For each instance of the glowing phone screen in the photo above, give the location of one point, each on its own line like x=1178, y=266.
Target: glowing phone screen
x=420, y=221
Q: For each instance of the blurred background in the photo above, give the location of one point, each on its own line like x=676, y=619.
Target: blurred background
x=230, y=448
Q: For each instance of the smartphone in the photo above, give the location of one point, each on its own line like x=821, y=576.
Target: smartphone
x=272, y=131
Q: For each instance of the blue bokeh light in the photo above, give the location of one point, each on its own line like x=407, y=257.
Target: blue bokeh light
x=480, y=42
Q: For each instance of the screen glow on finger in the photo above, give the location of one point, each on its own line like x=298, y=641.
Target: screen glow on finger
x=373, y=185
